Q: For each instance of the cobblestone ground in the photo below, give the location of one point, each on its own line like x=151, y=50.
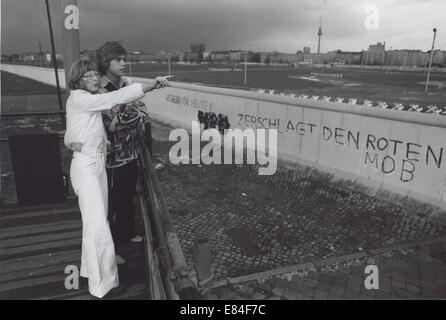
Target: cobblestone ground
x=257, y=223
x=412, y=273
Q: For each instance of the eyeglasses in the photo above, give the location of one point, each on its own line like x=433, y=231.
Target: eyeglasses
x=91, y=74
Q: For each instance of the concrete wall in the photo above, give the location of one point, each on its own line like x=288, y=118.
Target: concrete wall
x=383, y=149
x=397, y=151
x=45, y=75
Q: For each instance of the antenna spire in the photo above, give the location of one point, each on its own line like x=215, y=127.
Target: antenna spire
x=319, y=33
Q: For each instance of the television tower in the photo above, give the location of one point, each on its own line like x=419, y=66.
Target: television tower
x=319, y=33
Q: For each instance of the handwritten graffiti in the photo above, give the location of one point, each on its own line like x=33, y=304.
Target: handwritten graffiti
x=385, y=154
x=259, y=122
x=211, y=121
x=186, y=101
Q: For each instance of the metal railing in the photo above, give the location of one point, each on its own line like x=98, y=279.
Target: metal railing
x=166, y=262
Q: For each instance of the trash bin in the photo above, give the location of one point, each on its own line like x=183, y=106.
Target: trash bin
x=37, y=165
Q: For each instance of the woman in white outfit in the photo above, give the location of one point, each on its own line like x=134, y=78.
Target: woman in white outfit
x=86, y=134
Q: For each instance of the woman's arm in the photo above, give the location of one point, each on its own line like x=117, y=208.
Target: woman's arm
x=105, y=101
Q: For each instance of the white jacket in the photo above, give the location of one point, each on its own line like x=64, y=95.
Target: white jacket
x=84, y=118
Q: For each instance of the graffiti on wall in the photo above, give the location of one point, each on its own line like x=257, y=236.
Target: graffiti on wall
x=206, y=117
x=211, y=121
x=386, y=155
x=188, y=102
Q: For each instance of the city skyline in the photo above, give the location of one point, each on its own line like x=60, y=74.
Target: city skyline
x=285, y=26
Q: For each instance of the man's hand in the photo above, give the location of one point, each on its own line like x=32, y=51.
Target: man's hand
x=161, y=82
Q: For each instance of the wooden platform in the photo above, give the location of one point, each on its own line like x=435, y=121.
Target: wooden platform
x=37, y=243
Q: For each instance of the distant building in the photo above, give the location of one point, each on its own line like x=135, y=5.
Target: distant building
x=140, y=57
x=36, y=57
x=315, y=58
x=406, y=58
x=206, y=55
x=27, y=56
x=249, y=55
x=220, y=56
x=307, y=50
x=191, y=56
x=343, y=57
x=228, y=56
x=375, y=55
x=280, y=57
x=198, y=47
x=236, y=55
x=196, y=53
x=439, y=58
x=414, y=58
x=7, y=58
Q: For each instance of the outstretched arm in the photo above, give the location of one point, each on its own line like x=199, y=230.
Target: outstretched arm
x=160, y=82
x=105, y=101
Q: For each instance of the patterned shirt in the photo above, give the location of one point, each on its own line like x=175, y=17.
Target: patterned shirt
x=121, y=124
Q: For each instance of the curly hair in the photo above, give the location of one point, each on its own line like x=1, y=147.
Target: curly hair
x=77, y=70
x=108, y=52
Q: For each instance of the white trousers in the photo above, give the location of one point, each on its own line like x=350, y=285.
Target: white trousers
x=98, y=261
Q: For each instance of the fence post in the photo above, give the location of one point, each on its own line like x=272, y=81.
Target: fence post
x=148, y=136
x=202, y=265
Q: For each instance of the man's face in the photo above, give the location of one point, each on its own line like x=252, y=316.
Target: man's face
x=117, y=66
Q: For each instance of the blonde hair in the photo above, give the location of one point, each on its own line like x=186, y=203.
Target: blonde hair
x=77, y=70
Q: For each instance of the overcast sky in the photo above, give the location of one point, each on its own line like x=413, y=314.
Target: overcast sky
x=258, y=25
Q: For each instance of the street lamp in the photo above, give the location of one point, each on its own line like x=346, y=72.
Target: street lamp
x=168, y=61
x=130, y=63
x=430, y=61
x=53, y=51
x=246, y=64
x=387, y=61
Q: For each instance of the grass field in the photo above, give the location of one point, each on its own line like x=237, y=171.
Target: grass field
x=375, y=85
x=13, y=85
x=19, y=94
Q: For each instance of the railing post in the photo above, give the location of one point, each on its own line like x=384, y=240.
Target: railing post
x=148, y=136
x=175, y=276
x=202, y=265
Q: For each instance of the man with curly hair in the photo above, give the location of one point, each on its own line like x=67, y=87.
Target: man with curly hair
x=121, y=124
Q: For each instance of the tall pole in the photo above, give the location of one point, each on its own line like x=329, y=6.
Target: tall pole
x=430, y=62
x=59, y=96
x=168, y=58
x=70, y=35
x=246, y=65
x=319, y=33
x=425, y=67
x=387, y=60
x=130, y=64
